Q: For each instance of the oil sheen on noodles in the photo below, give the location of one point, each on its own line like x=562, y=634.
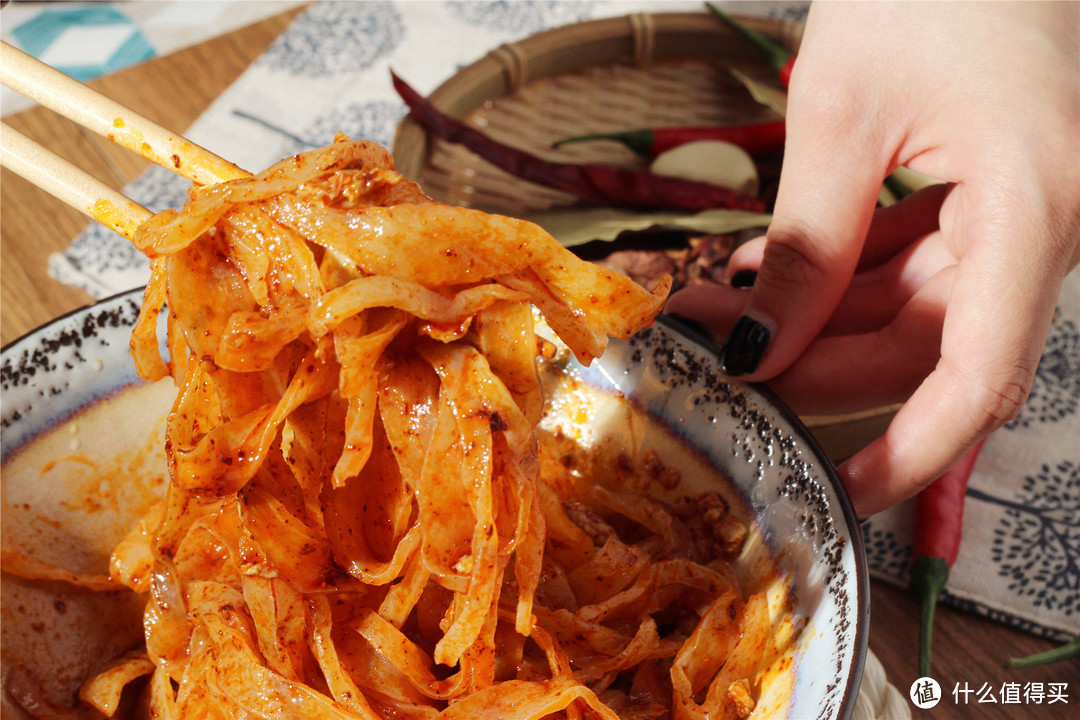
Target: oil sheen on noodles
x=362, y=518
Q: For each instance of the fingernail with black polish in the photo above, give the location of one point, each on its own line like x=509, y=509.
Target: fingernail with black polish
x=743, y=278
x=744, y=348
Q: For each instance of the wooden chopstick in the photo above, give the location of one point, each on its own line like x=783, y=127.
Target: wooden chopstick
x=69, y=183
x=92, y=110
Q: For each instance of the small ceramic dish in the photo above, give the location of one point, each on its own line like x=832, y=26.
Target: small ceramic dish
x=81, y=459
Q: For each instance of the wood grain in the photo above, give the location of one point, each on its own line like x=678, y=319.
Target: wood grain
x=174, y=91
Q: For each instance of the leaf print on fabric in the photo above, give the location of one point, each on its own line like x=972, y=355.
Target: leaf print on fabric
x=1055, y=391
x=336, y=37
x=374, y=121
x=1036, y=545
x=521, y=16
x=885, y=554
x=100, y=253
x=795, y=12
x=159, y=189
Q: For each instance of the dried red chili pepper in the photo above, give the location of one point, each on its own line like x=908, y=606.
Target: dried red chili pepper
x=780, y=58
x=756, y=138
x=596, y=184
x=938, y=525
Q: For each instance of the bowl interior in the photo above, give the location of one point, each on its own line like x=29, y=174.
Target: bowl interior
x=786, y=483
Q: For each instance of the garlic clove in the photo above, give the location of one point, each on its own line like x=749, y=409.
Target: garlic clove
x=711, y=161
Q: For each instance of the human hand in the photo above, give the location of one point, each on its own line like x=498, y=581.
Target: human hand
x=942, y=302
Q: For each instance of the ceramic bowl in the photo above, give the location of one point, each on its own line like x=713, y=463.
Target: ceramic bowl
x=81, y=459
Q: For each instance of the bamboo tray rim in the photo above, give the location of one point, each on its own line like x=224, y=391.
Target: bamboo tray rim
x=638, y=38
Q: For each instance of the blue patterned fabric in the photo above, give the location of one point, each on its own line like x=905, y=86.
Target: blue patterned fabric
x=89, y=39
x=524, y=18
x=109, y=40
x=1055, y=393
x=338, y=37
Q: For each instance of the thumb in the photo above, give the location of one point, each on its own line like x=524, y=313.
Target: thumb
x=828, y=190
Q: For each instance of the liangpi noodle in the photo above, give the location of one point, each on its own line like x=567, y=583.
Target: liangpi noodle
x=362, y=520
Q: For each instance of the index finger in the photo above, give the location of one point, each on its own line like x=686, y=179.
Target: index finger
x=828, y=191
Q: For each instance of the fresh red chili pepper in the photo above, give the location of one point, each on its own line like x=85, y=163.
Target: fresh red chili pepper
x=938, y=526
x=756, y=138
x=780, y=58
x=596, y=184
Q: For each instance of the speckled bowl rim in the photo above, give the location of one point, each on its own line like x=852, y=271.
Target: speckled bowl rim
x=862, y=573
x=107, y=300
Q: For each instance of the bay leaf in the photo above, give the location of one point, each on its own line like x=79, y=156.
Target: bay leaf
x=575, y=226
x=765, y=93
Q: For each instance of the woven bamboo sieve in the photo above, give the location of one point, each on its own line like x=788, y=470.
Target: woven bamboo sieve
x=638, y=71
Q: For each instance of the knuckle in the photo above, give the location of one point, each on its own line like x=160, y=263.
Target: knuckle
x=791, y=258
x=1000, y=397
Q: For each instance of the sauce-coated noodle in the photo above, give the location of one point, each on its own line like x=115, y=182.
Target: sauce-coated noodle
x=362, y=519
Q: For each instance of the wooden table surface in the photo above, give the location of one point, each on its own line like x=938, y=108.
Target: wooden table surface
x=173, y=91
